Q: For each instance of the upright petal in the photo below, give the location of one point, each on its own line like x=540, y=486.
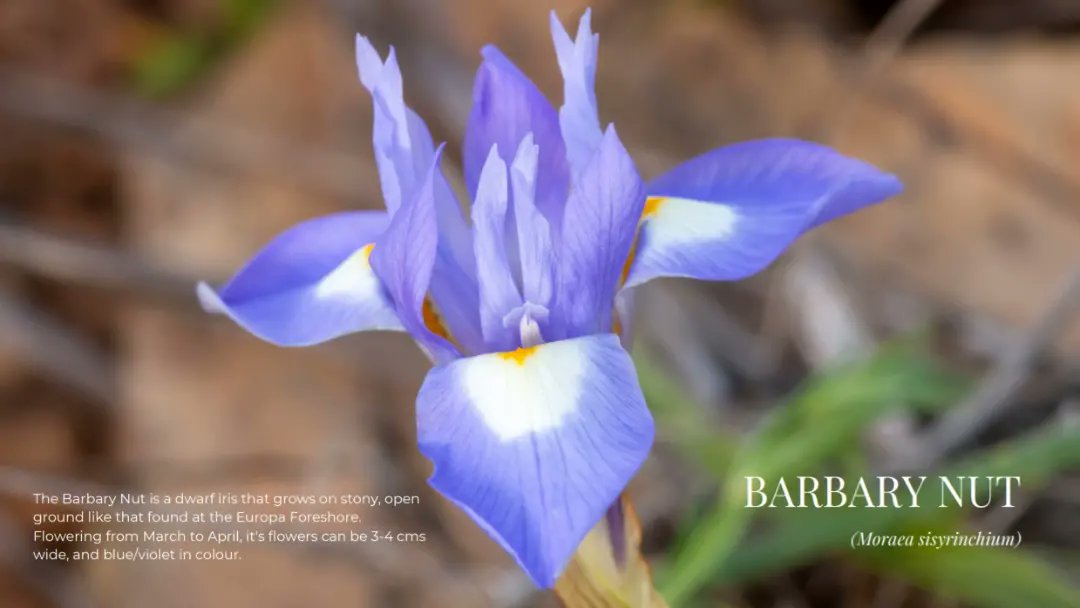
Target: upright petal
x=454, y=283
x=403, y=146
x=404, y=153
x=404, y=257
x=533, y=229
x=578, y=116
x=507, y=106
x=537, y=443
x=597, y=232
x=728, y=213
x=498, y=292
x=311, y=283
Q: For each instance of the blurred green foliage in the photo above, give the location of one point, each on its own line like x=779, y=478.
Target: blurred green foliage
x=818, y=431
x=181, y=58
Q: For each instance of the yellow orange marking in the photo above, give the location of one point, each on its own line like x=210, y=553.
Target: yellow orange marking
x=652, y=206
x=520, y=355
x=366, y=251
x=433, y=321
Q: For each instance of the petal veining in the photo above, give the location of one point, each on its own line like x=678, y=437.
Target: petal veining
x=727, y=214
x=597, y=232
x=536, y=443
x=498, y=292
x=404, y=258
x=578, y=117
x=310, y=284
x=404, y=153
x=533, y=229
x=402, y=143
x=507, y=107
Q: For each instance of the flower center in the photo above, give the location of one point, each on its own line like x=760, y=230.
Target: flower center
x=527, y=318
x=530, y=331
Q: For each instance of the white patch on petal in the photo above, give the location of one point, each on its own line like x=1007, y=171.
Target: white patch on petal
x=678, y=221
x=352, y=280
x=526, y=391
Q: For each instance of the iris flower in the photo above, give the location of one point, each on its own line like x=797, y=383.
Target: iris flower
x=532, y=414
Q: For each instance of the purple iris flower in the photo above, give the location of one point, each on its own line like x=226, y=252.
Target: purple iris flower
x=532, y=415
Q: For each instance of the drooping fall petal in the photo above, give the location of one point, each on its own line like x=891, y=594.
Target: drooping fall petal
x=727, y=214
x=536, y=444
x=310, y=284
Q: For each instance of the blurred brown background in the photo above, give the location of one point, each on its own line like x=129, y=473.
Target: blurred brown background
x=147, y=143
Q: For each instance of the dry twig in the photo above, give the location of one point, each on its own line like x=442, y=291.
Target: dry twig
x=188, y=138
x=78, y=262
x=881, y=48
x=48, y=345
x=995, y=393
